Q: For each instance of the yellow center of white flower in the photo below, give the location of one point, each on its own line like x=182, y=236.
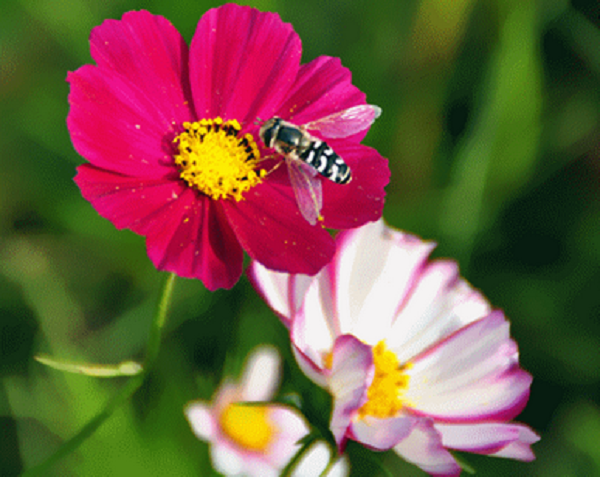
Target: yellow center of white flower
x=215, y=161
x=385, y=394
x=248, y=426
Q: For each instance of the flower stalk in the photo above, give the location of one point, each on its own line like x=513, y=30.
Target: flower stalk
x=132, y=385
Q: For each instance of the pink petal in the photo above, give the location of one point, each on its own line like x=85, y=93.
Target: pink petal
x=242, y=63
x=424, y=448
x=439, y=303
x=472, y=375
x=374, y=269
x=196, y=241
x=351, y=375
x=360, y=201
x=128, y=202
x=322, y=87
x=116, y=126
x=498, y=439
x=185, y=232
x=152, y=55
x=382, y=434
x=124, y=113
x=272, y=231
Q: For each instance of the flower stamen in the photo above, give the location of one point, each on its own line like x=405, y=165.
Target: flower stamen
x=390, y=382
x=215, y=161
x=248, y=426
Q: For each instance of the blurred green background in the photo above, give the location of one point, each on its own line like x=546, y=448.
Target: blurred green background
x=491, y=122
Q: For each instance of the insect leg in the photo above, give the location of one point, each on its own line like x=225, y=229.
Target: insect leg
x=270, y=157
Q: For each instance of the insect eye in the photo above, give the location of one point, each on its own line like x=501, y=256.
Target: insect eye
x=267, y=136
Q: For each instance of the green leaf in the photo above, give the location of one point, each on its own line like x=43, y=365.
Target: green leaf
x=126, y=368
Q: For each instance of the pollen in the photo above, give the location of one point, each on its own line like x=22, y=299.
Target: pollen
x=390, y=382
x=248, y=426
x=216, y=161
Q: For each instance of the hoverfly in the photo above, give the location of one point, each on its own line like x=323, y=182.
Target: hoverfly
x=306, y=155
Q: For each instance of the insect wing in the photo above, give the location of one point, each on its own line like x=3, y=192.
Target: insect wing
x=347, y=122
x=307, y=189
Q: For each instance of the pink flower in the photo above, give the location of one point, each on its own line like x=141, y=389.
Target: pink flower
x=415, y=358
x=257, y=441
x=172, y=142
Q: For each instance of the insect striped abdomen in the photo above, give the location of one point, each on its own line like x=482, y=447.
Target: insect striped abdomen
x=326, y=161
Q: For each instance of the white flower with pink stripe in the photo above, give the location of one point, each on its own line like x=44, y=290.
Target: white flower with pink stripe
x=415, y=358
x=258, y=440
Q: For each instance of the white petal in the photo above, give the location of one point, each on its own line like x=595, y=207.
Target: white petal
x=283, y=292
x=374, y=266
x=424, y=448
x=341, y=468
x=520, y=449
x=200, y=417
x=315, y=327
x=473, y=374
x=226, y=459
x=438, y=304
x=257, y=466
x=313, y=371
x=351, y=375
x=382, y=434
x=315, y=461
x=497, y=439
x=291, y=427
x=261, y=374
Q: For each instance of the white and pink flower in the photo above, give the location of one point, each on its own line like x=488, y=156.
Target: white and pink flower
x=257, y=441
x=415, y=358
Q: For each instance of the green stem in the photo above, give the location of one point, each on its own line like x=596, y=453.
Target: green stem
x=159, y=322
x=126, y=391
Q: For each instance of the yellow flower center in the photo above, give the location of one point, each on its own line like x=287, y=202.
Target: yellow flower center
x=384, y=396
x=328, y=360
x=248, y=426
x=215, y=161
